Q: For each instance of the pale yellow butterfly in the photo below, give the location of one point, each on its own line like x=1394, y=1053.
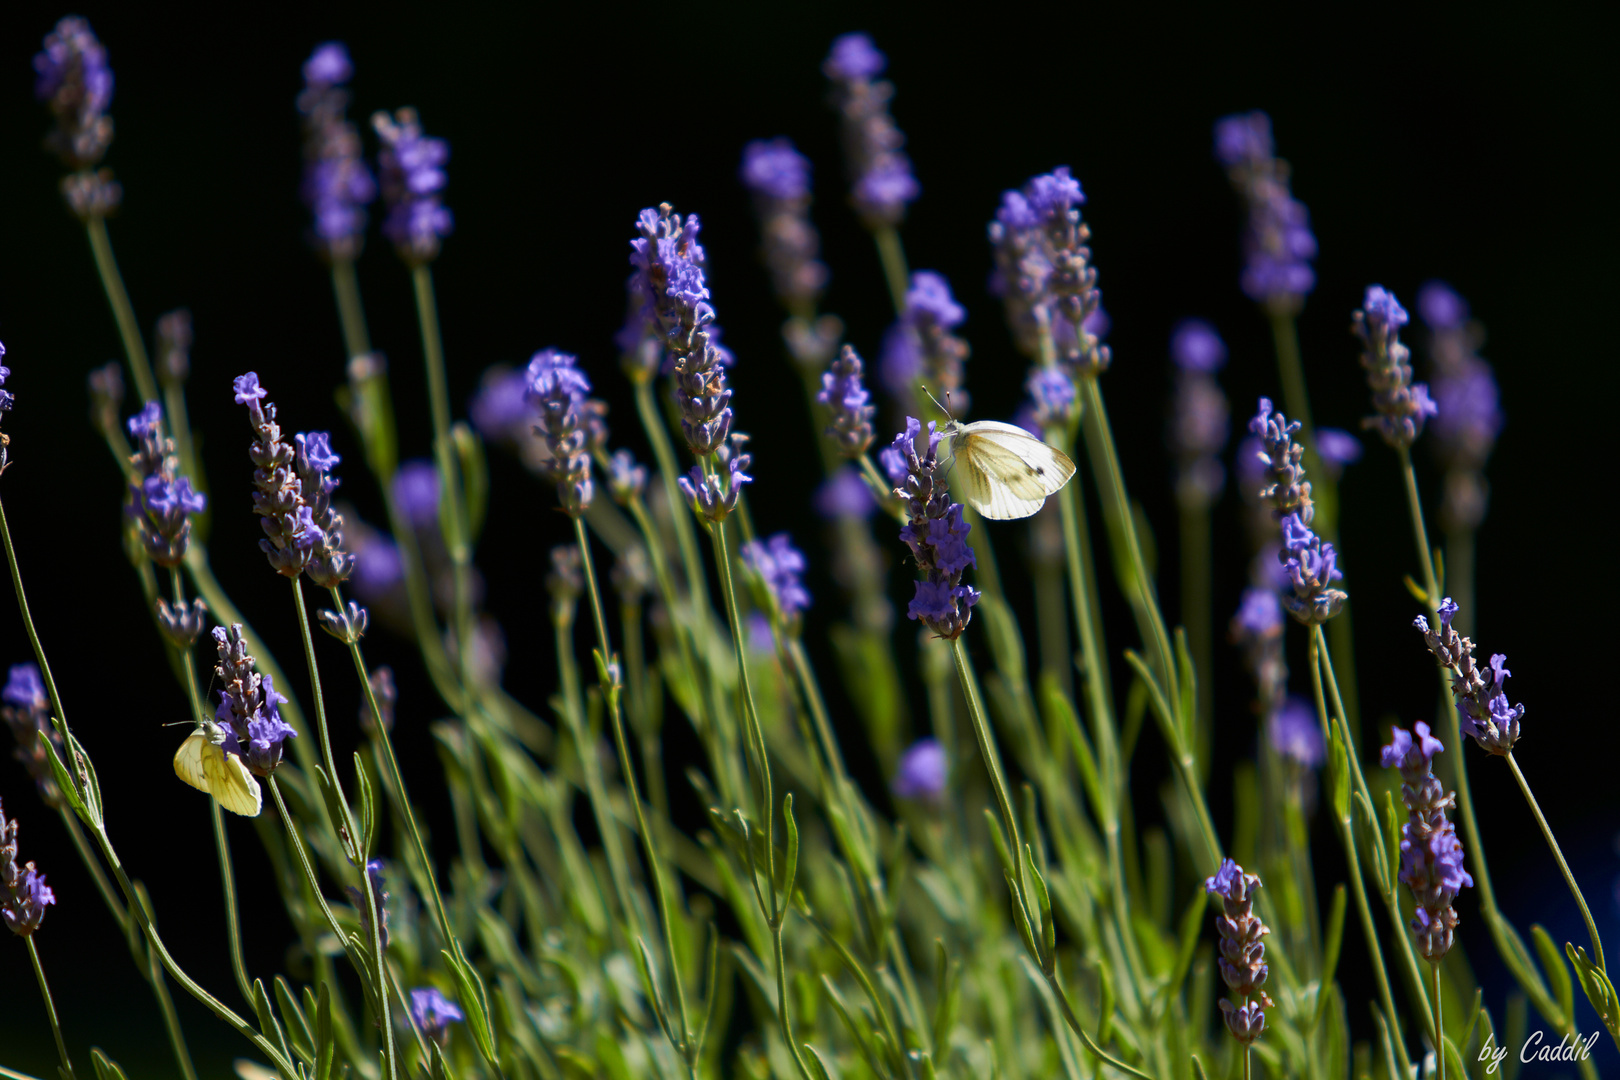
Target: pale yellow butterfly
x=202, y=762
x=1005, y=472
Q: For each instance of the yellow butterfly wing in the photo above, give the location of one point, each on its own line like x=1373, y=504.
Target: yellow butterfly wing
x=188, y=760
x=230, y=783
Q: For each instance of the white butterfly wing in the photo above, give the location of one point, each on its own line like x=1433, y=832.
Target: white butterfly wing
x=188, y=760
x=230, y=782
x=1007, y=473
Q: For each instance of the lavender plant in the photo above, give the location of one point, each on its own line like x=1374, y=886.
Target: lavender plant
x=814, y=923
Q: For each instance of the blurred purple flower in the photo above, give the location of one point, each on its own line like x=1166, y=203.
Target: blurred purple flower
x=922, y=771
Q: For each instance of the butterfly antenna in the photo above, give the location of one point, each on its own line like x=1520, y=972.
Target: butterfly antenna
x=945, y=408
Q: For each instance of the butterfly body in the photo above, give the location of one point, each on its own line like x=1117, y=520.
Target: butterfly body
x=1003, y=471
x=203, y=763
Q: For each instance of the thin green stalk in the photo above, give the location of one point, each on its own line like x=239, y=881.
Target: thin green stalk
x=378, y=977
x=1439, y=1029
x=1460, y=578
x=50, y=1006
x=646, y=717
x=893, y=258
x=351, y=314
x=1197, y=615
x=685, y=535
x=171, y=1019
x=1563, y=867
x=123, y=312
x=33, y=634
x=1352, y=857
x=992, y=765
x=457, y=540
x=690, y=1051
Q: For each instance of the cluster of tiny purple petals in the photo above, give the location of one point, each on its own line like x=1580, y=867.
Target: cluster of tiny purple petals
x=1402, y=406
x=1484, y=712
x=1469, y=415
x=412, y=169
x=26, y=711
x=289, y=525
x=1431, y=854
x=557, y=389
x=714, y=495
x=248, y=705
x=779, y=178
x=23, y=892
x=73, y=79
x=328, y=563
x=936, y=534
x=1278, y=245
x=336, y=185
x=161, y=502
x=881, y=183
x=1199, y=414
x=922, y=771
x=780, y=568
x=434, y=1013
x=846, y=398
x=1243, y=951
x=931, y=313
x=1310, y=563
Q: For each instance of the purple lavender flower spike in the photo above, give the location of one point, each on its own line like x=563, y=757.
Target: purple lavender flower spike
x=26, y=711
x=434, y=1013
x=329, y=564
x=845, y=494
x=1278, y=245
x=23, y=892
x=1052, y=398
x=336, y=185
x=714, y=495
x=626, y=479
x=846, y=398
x=412, y=170
x=1199, y=415
x=501, y=410
x=1337, y=449
x=1484, y=712
x=1431, y=854
x=881, y=183
x=922, y=771
x=1469, y=416
x=1294, y=733
x=74, y=81
x=779, y=178
x=292, y=533
x=416, y=489
x=557, y=389
x=936, y=534
x=926, y=344
x=162, y=502
x=1310, y=563
x=780, y=568
x=1402, y=407
x=1243, y=951
x=248, y=705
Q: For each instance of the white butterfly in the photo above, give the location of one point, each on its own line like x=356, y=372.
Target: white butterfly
x=1005, y=471
x=202, y=762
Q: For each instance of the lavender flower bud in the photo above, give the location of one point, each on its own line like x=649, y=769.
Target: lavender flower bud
x=565, y=582
x=416, y=491
x=501, y=411
x=248, y=705
x=375, y=913
x=348, y=625
x=1337, y=449
x=27, y=712
x=162, y=502
x=937, y=536
x=779, y=566
x=1469, y=415
x=779, y=178
x=842, y=392
x=922, y=772
x=412, y=169
x=1402, y=406
x=328, y=563
x=1294, y=732
x=1309, y=562
x=106, y=384
x=1198, y=424
x=557, y=389
x=1257, y=629
x=74, y=81
x=434, y=1013
x=1483, y=709
x=713, y=497
x=1243, y=951
x=23, y=892
x=881, y=183
x=1431, y=854
x=930, y=316
x=845, y=494
x=182, y=625
x=1278, y=245
x=174, y=347
x=336, y=185
x=290, y=529
x=387, y=695
x=626, y=479
x=632, y=575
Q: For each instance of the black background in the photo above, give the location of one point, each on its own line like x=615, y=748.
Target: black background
x=1468, y=143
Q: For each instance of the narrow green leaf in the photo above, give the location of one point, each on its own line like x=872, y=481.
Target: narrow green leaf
x=339, y=813
x=1021, y=920
x=790, y=872
x=325, y=1045
x=474, y=476
x=106, y=1068
x=820, y=1067
x=1553, y=963
x=1191, y=921
x=1419, y=593
x=92, y=784
x=1187, y=678
x=64, y=782
x=649, y=986
x=1332, y=942
x=1392, y=837
x=298, y=1030
x=1516, y=1026
x=1338, y=774
x=368, y=807
x=948, y=982
x=1044, y=899
x=1060, y=711
x=267, y=1018
x=474, y=1004
x=1198, y=1068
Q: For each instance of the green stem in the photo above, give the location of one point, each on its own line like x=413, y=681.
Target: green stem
x=123, y=312
x=893, y=258
x=351, y=314
x=686, y=1046
x=1563, y=867
x=1198, y=617
x=1439, y=1029
x=992, y=765
x=171, y=1019
x=50, y=1006
x=1460, y=578
x=233, y=924
x=378, y=977
x=33, y=635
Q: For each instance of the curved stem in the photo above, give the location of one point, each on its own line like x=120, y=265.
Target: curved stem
x=1439, y=1029
x=33, y=635
x=893, y=257
x=1563, y=867
x=50, y=1006
x=992, y=765
x=123, y=311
